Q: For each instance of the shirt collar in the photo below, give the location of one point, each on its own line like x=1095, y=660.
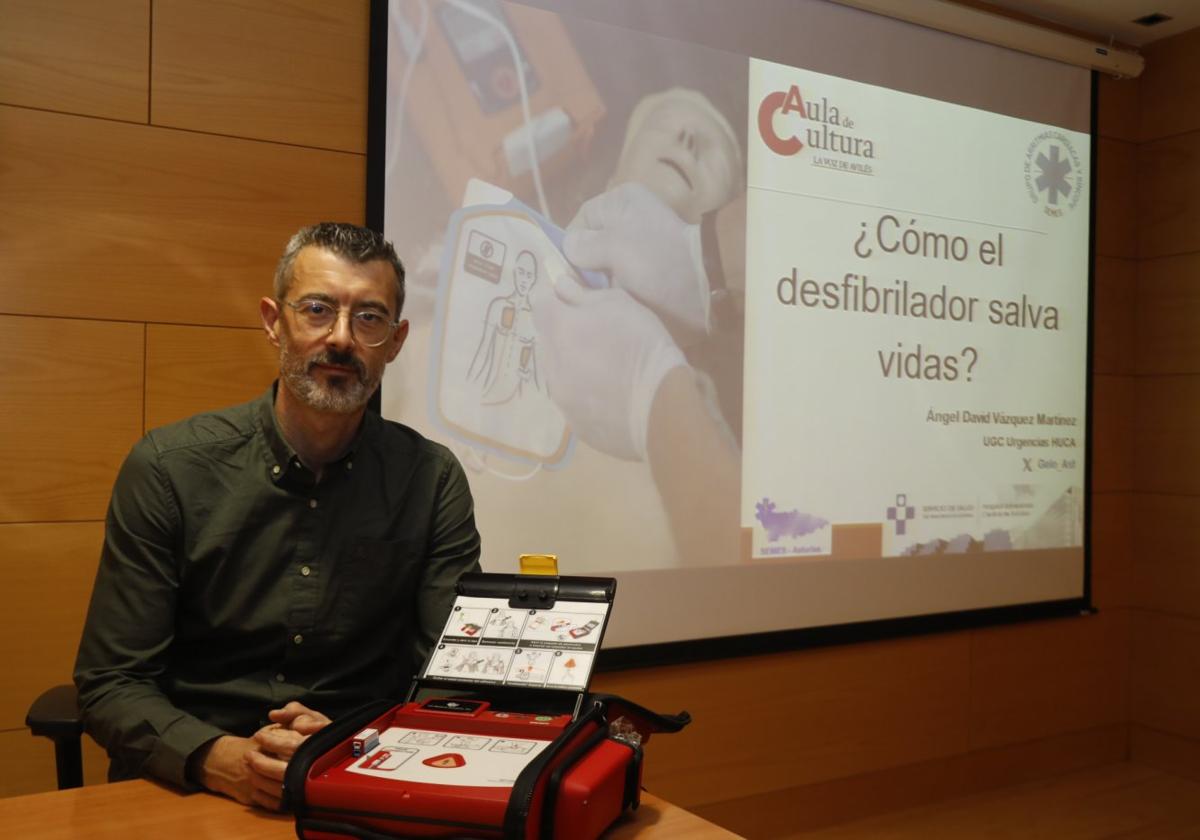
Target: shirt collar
x=283, y=462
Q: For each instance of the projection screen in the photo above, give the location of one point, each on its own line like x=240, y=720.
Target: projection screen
x=777, y=310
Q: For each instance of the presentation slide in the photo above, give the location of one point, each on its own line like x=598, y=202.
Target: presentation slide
x=780, y=333
x=916, y=332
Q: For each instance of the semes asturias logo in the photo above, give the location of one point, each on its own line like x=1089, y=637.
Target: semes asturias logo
x=828, y=131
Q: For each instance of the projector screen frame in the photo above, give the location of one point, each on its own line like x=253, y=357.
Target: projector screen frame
x=776, y=641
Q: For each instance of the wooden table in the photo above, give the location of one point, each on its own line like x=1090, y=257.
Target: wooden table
x=144, y=810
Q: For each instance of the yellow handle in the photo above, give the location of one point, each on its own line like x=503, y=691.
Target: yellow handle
x=539, y=564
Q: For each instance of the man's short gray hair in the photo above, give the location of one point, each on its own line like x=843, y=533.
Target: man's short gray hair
x=350, y=242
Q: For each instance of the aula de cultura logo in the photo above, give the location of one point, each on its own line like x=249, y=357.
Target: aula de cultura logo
x=827, y=128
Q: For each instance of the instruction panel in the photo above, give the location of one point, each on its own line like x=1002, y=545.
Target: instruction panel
x=447, y=758
x=485, y=640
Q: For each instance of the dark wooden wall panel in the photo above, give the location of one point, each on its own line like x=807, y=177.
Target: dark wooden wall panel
x=1167, y=420
x=1168, y=195
x=803, y=717
x=1116, y=184
x=1168, y=315
x=1169, y=87
x=1165, y=676
x=787, y=812
x=1112, y=548
x=1115, y=301
x=1165, y=572
x=1119, y=110
x=1112, y=430
x=1031, y=681
x=1163, y=749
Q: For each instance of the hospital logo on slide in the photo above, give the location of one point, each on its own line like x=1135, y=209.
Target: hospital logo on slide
x=788, y=124
x=901, y=513
x=1053, y=173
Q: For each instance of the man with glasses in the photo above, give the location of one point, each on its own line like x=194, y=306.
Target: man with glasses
x=291, y=554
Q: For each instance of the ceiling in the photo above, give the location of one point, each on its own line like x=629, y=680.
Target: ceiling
x=1108, y=20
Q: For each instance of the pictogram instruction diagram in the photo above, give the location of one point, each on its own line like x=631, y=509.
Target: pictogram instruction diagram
x=486, y=640
x=447, y=758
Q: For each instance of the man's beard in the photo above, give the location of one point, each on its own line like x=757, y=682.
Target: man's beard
x=345, y=394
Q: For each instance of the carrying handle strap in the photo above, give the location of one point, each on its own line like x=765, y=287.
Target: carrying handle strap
x=645, y=721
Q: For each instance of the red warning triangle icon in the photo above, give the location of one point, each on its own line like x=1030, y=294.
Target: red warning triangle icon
x=445, y=760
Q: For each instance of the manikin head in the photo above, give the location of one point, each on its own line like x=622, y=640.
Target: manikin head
x=684, y=150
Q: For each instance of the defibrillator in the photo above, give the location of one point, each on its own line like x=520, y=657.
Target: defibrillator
x=498, y=737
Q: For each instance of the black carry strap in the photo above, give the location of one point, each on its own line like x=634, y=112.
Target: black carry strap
x=645, y=721
x=319, y=743
x=554, y=783
x=603, y=709
x=517, y=813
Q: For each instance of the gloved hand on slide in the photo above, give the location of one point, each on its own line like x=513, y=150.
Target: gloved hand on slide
x=605, y=355
x=648, y=251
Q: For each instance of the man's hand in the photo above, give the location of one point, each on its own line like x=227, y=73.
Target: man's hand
x=226, y=769
x=298, y=717
x=277, y=743
x=266, y=776
x=251, y=770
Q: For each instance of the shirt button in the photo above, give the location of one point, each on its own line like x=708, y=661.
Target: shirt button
x=312, y=503
x=305, y=571
x=349, y=465
x=297, y=638
x=275, y=470
x=280, y=678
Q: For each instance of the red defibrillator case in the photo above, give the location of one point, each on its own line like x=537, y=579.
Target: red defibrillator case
x=498, y=738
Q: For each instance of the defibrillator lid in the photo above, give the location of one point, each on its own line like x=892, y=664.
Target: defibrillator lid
x=522, y=631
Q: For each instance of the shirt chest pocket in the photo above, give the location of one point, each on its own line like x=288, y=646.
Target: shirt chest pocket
x=377, y=585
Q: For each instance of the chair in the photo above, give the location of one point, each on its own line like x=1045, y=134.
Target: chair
x=55, y=715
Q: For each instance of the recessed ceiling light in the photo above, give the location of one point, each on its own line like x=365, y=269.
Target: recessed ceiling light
x=1152, y=19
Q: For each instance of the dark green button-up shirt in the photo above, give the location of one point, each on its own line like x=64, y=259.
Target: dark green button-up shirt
x=231, y=581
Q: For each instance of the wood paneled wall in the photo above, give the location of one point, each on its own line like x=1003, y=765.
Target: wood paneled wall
x=1165, y=516
x=157, y=155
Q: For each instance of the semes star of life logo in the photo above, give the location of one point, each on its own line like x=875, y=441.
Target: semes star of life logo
x=1054, y=173
x=789, y=124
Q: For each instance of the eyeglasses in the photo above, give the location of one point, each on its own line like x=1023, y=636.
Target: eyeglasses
x=370, y=327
